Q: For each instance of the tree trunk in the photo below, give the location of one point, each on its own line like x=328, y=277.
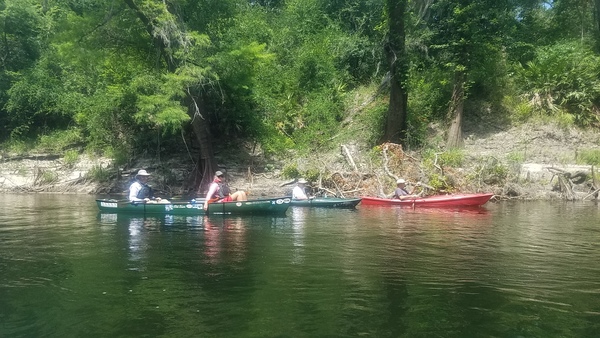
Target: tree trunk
x=207, y=164
x=597, y=25
x=396, y=121
x=455, y=111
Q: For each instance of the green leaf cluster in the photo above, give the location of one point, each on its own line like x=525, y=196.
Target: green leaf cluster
x=130, y=77
x=564, y=78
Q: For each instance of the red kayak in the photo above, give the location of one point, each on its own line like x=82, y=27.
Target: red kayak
x=438, y=201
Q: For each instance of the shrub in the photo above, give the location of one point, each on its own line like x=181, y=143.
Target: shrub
x=589, y=156
x=99, y=174
x=452, y=157
x=47, y=177
x=16, y=147
x=70, y=158
x=439, y=182
x=59, y=140
x=493, y=171
x=521, y=109
x=290, y=171
x=312, y=175
x=564, y=78
x=516, y=157
x=120, y=155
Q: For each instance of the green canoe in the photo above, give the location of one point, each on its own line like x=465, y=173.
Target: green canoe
x=251, y=207
x=327, y=202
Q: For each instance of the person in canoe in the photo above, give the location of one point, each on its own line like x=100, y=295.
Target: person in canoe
x=401, y=193
x=219, y=191
x=299, y=191
x=140, y=191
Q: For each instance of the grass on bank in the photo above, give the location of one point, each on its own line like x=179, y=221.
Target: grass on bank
x=588, y=156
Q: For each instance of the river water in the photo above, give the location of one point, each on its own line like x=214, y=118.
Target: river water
x=522, y=269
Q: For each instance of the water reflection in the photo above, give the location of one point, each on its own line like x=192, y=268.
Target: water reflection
x=299, y=216
x=137, y=243
x=224, y=239
x=218, y=238
x=508, y=270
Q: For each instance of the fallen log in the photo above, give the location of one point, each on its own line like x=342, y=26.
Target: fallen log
x=349, y=157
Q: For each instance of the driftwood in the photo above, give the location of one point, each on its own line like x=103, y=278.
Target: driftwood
x=567, y=180
x=386, y=160
x=329, y=191
x=38, y=157
x=386, y=147
x=564, y=184
x=288, y=183
x=437, y=165
x=341, y=194
x=593, y=193
x=595, y=189
x=349, y=157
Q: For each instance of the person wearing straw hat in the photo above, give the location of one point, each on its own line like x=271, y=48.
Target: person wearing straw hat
x=140, y=191
x=299, y=193
x=220, y=192
x=401, y=193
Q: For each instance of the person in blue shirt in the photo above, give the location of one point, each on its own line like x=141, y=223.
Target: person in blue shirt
x=401, y=193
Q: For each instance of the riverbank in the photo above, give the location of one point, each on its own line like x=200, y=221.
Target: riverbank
x=528, y=161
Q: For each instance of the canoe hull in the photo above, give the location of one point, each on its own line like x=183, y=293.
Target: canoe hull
x=252, y=207
x=439, y=201
x=329, y=202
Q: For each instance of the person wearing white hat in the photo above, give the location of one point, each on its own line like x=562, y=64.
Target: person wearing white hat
x=219, y=191
x=140, y=191
x=401, y=193
x=299, y=193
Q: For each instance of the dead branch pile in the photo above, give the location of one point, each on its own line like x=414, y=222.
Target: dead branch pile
x=362, y=179
x=566, y=182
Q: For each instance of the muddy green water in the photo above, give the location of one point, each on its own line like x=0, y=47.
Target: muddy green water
x=508, y=270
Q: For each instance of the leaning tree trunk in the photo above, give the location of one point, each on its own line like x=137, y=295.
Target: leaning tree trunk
x=207, y=164
x=396, y=122
x=455, y=111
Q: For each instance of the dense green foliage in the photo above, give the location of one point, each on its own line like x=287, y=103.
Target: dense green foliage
x=75, y=73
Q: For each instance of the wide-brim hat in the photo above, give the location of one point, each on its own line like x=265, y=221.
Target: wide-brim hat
x=400, y=181
x=302, y=181
x=142, y=172
x=218, y=173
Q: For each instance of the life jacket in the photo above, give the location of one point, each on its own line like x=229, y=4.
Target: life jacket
x=145, y=192
x=223, y=191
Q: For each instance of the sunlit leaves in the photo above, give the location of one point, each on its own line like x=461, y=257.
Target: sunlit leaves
x=20, y=26
x=565, y=75
x=273, y=70
x=159, y=101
